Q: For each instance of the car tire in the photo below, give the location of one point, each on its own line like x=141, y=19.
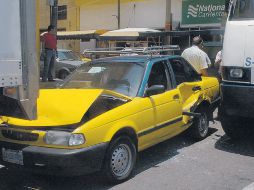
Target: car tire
x=63, y=74
x=120, y=160
x=200, y=126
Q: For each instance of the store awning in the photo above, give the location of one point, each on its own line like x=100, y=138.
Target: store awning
x=129, y=34
x=179, y=33
x=80, y=35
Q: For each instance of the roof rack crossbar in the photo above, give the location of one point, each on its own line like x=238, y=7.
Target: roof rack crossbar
x=137, y=50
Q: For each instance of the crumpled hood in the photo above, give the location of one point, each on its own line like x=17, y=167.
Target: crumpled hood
x=59, y=107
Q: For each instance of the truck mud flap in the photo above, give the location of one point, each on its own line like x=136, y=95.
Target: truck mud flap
x=11, y=107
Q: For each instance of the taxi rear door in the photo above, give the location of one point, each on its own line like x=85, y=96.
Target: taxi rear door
x=188, y=81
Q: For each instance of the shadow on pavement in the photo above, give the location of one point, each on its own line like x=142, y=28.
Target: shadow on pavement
x=242, y=147
x=165, y=151
x=17, y=180
x=11, y=180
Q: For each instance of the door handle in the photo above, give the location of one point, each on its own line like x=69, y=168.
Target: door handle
x=176, y=97
x=196, y=88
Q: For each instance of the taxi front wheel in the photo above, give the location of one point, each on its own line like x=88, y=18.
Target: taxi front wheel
x=120, y=159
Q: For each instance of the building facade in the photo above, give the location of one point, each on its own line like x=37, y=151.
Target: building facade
x=114, y=14
x=150, y=13
x=133, y=14
x=154, y=14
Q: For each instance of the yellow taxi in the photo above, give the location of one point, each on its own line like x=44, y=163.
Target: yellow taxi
x=106, y=112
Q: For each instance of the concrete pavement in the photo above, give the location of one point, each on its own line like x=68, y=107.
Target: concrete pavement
x=216, y=163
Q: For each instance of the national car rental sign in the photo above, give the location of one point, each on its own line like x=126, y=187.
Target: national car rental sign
x=197, y=13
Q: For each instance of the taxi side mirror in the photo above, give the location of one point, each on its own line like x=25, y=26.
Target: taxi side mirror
x=154, y=89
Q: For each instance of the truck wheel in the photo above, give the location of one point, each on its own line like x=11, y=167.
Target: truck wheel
x=120, y=159
x=232, y=126
x=200, y=125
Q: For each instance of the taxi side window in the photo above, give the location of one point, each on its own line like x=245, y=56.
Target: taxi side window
x=160, y=75
x=183, y=71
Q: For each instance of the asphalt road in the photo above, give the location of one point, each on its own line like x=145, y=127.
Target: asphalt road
x=216, y=163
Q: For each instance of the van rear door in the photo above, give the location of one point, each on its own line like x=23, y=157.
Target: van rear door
x=249, y=49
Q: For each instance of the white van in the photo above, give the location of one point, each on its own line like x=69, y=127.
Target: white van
x=237, y=86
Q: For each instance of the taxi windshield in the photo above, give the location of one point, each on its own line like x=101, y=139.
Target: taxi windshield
x=243, y=9
x=122, y=77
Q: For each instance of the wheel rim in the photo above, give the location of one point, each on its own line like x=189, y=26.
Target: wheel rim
x=203, y=125
x=121, y=160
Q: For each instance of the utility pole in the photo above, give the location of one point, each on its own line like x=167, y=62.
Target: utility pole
x=118, y=13
x=168, y=23
x=54, y=12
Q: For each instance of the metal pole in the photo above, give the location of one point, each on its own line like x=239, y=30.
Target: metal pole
x=50, y=14
x=168, y=23
x=118, y=14
x=54, y=14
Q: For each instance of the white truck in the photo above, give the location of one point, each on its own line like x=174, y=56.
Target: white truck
x=237, y=88
x=19, y=66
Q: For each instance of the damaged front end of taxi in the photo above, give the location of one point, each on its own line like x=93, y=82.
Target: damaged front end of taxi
x=51, y=144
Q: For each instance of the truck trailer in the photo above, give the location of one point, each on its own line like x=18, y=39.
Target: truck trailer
x=19, y=65
x=237, y=88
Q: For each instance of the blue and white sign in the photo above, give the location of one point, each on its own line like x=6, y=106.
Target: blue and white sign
x=249, y=62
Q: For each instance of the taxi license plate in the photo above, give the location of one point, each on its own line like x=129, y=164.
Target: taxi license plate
x=12, y=156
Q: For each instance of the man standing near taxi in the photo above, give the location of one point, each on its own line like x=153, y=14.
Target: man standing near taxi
x=49, y=52
x=197, y=57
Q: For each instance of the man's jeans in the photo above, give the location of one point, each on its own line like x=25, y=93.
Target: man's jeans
x=49, y=65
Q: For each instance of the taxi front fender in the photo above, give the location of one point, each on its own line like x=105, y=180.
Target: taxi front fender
x=122, y=128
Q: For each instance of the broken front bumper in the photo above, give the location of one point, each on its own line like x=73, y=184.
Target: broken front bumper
x=54, y=161
x=237, y=100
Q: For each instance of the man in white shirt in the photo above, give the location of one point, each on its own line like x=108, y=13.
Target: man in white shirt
x=197, y=57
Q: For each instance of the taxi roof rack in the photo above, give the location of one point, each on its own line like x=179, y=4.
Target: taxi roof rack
x=136, y=50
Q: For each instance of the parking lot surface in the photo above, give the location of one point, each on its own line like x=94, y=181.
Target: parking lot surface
x=216, y=163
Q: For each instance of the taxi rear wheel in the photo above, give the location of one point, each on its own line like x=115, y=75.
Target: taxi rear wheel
x=200, y=126
x=120, y=160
